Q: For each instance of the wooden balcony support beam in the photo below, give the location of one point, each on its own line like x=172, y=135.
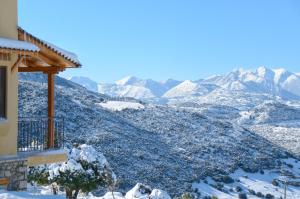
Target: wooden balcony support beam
x=51, y=113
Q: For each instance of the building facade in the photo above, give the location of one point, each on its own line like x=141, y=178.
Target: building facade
x=21, y=51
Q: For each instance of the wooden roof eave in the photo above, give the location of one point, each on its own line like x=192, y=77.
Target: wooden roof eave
x=46, y=53
x=18, y=52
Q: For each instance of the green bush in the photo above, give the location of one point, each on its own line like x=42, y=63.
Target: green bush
x=238, y=189
x=275, y=183
x=252, y=192
x=227, y=179
x=242, y=196
x=85, y=171
x=269, y=196
x=260, y=195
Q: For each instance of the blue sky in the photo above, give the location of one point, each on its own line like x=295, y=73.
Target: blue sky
x=160, y=39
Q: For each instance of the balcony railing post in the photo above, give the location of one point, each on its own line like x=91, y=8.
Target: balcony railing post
x=51, y=130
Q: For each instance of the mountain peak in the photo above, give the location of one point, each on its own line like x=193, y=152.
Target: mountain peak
x=127, y=80
x=85, y=82
x=262, y=71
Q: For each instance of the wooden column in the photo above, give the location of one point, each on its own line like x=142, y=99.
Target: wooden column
x=51, y=129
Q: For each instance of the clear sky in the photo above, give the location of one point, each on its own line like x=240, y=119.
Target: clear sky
x=160, y=39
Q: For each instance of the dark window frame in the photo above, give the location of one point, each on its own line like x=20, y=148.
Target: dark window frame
x=3, y=86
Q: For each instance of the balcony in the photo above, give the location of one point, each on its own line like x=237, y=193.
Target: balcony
x=34, y=136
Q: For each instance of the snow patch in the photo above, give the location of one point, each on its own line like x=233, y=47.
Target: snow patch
x=140, y=191
x=27, y=195
x=121, y=105
x=159, y=194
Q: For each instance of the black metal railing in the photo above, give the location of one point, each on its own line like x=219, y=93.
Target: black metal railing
x=33, y=133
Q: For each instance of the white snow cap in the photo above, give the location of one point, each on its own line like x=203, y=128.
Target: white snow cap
x=140, y=191
x=127, y=80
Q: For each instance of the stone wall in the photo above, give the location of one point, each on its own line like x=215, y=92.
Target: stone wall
x=16, y=171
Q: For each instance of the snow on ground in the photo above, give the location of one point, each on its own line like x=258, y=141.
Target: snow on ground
x=258, y=182
x=109, y=195
x=287, y=137
x=159, y=194
x=139, y=191
x=27, y=195
x=121, y=105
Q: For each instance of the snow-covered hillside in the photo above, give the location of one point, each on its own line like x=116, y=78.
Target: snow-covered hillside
x=170, y=147
x=263, y=184
x=238, y=86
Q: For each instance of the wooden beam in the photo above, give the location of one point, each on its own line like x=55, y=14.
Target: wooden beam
x=19, y=52
x=5, y=56
x=39, y=69
x=50, y=61
x=51, y=113
x=17, y=63
x=4, y=181
x=34, y=67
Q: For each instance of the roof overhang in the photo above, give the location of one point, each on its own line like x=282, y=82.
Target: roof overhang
x=64, y=57
x=36, y=55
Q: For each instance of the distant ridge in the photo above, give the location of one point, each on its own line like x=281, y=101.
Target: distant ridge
x=274, y=83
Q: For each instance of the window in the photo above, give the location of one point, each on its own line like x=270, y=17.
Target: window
x=2, y=92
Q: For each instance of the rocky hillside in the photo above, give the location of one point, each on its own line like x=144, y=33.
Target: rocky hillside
x=167, y=147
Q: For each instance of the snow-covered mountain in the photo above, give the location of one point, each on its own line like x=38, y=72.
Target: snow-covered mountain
x=278, y=82
x=137, y=88
x=238, y=85
x=172, y=147
x=85, y=82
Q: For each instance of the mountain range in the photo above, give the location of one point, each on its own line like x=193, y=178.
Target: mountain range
x=173, y=147
x=259, y=85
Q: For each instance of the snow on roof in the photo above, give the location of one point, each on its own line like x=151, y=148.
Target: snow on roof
x=13, y=44
x=64, y=53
